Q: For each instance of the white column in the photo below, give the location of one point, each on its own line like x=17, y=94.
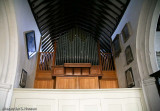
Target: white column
x=145, y=51
x=151, y=94
x=8, y=53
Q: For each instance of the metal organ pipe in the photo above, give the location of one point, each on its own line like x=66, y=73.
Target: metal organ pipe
x=76, y=46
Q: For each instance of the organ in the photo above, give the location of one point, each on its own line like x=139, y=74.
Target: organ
x=76, y=63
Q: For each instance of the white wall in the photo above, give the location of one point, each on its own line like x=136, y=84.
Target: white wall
x=25, y=22
x=157, y=41
x=131, y=15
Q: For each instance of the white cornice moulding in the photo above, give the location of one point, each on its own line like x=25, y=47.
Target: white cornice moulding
x=116, y=90
x=5, y=86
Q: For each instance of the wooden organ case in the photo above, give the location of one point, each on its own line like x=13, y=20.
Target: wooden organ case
x=76, y=63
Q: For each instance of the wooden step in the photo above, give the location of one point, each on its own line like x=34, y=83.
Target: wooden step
x=109, y=75
x=43, y=75
x=108, y=83
x=44, y=83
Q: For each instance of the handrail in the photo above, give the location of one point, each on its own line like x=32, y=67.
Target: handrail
x=107, y=62
x=45, y=61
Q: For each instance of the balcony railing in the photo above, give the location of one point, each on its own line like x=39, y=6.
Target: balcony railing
x=107, y=62
x=45, y=61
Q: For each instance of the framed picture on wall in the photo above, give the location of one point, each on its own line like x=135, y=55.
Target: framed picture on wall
x=116, y=46
x=31, y=43
x=23, y=79
x=126, y=32
x=129, y=55
x=129, y=78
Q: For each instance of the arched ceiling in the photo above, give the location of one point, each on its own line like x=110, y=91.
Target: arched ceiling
x=98, y=17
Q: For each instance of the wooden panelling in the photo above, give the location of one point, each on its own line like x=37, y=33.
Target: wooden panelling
x=77, y=83
x=69, y=71
x=108, y=83
x=58, y=70
x=109, y=75
x=95, y=69
x=88, y=82
x=77, y=64
x=44, y=84
x=85, y=71
x=43, y=75
x=66, y=82
x=77, y=71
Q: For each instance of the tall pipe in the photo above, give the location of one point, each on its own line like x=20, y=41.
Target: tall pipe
x=76, y=46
